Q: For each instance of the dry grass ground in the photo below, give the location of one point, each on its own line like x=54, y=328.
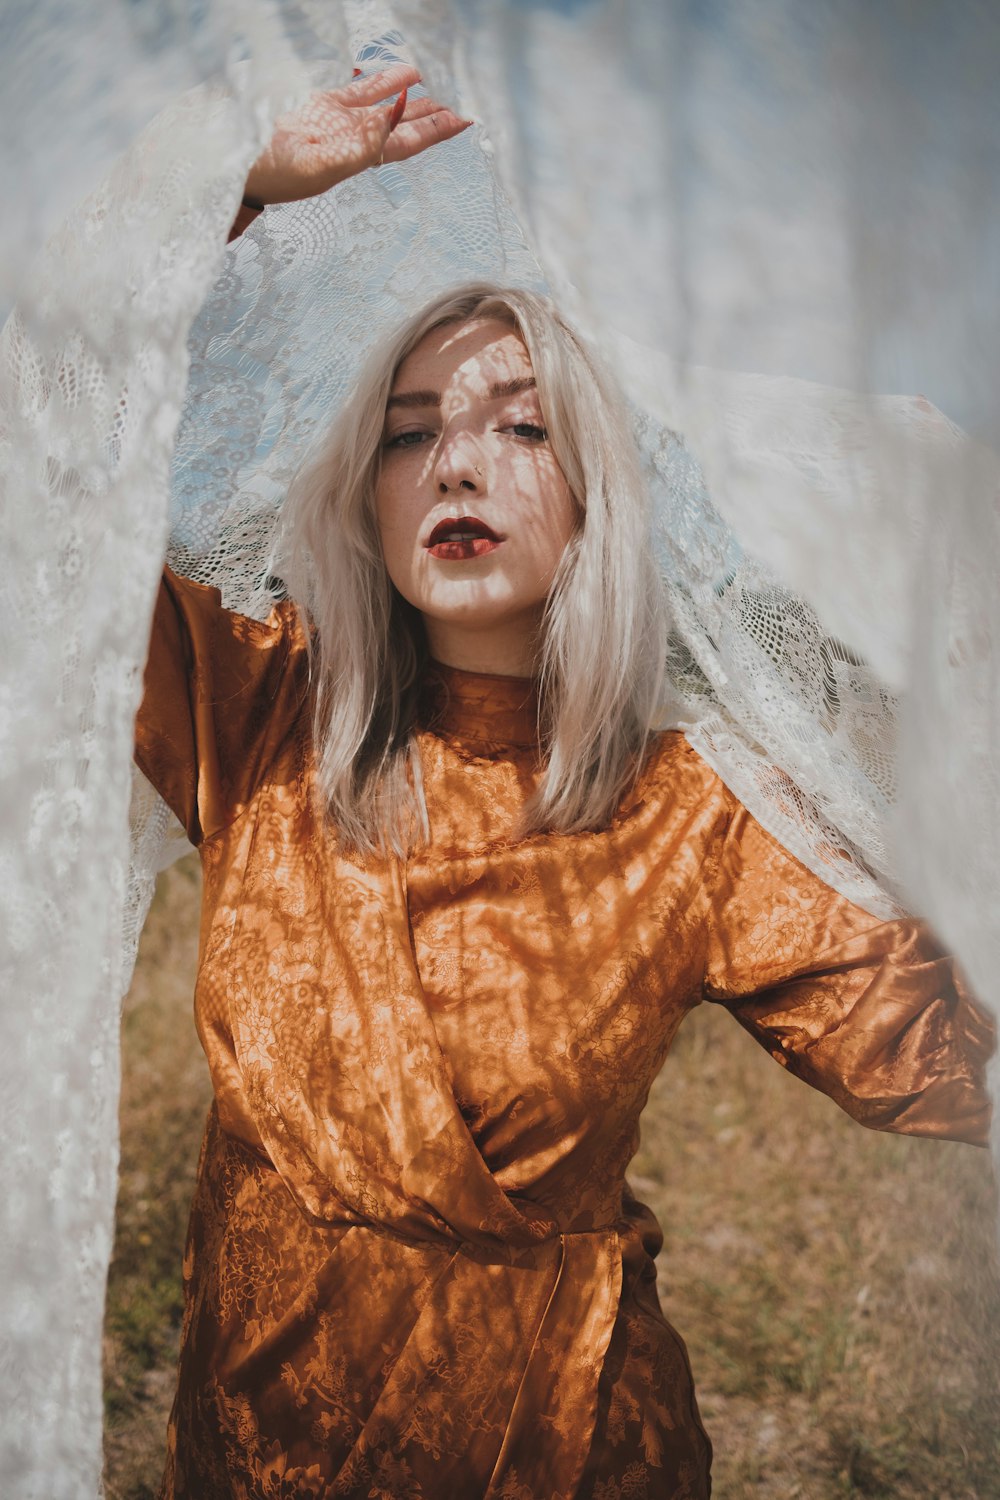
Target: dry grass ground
x=839, y=1290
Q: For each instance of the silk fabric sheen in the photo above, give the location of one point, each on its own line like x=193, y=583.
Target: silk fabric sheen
x=414, y=1267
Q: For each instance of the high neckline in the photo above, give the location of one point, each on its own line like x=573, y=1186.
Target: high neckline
x=479, y=708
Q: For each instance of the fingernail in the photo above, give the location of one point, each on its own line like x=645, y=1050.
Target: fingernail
x=397, y=111
x=356, y=73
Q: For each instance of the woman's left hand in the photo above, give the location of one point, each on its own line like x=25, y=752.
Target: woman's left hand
x=337, y=134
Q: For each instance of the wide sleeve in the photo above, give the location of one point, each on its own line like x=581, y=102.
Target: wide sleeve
x=872, y=1013
x=222, y=693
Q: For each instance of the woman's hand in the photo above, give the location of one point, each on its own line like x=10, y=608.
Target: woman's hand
x=337, y=134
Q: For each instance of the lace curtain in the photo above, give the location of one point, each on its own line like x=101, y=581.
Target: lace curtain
x=806, y=196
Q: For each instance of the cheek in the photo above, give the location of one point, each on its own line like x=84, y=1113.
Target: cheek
x=386, y=504
x=554, y=515
x=397, y=526
x=568, y=515
x=403, y=494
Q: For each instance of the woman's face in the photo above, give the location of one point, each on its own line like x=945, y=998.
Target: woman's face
x=473, y=510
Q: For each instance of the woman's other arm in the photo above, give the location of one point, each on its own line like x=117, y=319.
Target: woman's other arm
x=870, y=1012
x=222, y=692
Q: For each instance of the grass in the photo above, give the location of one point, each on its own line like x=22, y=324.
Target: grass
x=839, y=1290
x=165, y=1096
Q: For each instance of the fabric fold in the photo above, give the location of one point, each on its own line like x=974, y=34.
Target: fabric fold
x=546, y=1457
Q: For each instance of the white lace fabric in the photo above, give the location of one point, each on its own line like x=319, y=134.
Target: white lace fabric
x=831, y=558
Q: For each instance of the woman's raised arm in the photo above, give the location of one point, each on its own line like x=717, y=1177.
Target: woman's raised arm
x=220, y=689
x=337, y=134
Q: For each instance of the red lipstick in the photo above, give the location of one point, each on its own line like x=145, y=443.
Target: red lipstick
x=458, y=538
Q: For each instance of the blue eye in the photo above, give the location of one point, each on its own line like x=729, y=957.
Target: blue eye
x=529, y=431
x=406, y=439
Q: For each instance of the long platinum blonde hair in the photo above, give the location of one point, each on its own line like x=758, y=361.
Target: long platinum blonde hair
x=602, y=649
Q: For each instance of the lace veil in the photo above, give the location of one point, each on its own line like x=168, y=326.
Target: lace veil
x=762, y=216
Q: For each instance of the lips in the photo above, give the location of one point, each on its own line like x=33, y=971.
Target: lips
x=457, y=538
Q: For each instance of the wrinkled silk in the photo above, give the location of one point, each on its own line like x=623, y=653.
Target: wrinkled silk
x=414, y=1266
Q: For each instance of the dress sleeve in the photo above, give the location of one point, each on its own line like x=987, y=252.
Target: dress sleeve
x=222, y=692
x=870, y=1012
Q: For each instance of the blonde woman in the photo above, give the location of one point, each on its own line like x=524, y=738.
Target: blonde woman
x=458, y=897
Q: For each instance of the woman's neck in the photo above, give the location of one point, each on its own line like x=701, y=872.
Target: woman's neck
x=507, y=649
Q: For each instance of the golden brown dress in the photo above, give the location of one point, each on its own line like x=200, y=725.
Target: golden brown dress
x=414, y=1268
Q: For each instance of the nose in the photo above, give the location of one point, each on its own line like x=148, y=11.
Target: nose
x=459, y=466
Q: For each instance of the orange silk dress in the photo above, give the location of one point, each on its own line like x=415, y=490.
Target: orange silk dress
x=414, y=1267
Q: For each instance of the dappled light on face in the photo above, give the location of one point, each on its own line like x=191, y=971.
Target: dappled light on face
x=474, y=512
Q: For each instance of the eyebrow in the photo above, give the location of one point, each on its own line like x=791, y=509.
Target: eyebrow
x=498, y=391
x=502, y=388
x=414, y=398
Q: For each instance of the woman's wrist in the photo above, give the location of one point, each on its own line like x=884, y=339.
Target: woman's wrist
x=245, y=215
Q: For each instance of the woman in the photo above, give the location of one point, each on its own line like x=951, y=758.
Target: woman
x=458, y=897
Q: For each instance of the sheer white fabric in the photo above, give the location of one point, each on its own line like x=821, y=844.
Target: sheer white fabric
x=92, y=380
x=698, y=193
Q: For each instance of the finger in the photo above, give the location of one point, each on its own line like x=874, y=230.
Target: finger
x=413, y=136
x=396, y=112
x=378, y=86
x=417, y=109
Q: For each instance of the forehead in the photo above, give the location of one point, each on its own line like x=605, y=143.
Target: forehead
x=473, y=354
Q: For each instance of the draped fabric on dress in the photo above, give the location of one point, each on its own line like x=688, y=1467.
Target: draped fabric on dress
x=414, y=1265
